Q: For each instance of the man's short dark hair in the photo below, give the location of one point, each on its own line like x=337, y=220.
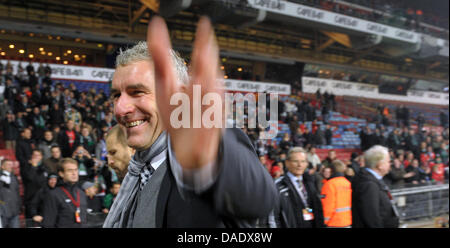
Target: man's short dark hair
x=37, y=150
x=55, y=146
x=60, y=167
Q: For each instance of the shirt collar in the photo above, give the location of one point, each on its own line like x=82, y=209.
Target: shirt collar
x=158, y=159
x=376, y=175
x=294, y=178
x=7, y=173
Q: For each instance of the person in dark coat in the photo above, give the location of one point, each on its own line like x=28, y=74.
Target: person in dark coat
x=34, y=177
x=394, y=140
x=412, y=143
x=51, y=163
x=10, y=130
x=24, y=147
x=37, y=204
x=328, y=135
x=299, y=206
x=94, y=201
x=372, y=203
x=10, y=201
x=68, y=139
x=56, y=115
x=66, y=205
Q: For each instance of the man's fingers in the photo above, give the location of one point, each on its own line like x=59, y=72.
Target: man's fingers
x=158, y=43
x=205, y=56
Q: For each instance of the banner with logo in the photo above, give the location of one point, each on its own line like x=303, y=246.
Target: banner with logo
x=69, y=72
x=327, y=17
x=343, y=88
x=253, y=86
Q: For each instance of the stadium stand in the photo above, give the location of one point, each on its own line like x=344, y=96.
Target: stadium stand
x=260, y=51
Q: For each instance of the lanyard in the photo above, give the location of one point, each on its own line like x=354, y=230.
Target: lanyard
x=77, y=202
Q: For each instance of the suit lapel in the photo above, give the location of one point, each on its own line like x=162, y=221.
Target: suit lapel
x=163, y=197
x=295, y=196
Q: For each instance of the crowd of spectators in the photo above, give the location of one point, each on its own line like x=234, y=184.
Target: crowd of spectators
x=44, y=122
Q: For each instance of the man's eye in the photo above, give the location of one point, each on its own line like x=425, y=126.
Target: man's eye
x=115, y=96
x=138, y=92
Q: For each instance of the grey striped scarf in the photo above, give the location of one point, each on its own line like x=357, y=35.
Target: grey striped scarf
x=118, y=215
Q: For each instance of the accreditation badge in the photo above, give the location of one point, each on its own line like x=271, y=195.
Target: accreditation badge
x=308, y=214
x=77, y=216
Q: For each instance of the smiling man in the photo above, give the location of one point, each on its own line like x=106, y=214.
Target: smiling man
x=181, y=177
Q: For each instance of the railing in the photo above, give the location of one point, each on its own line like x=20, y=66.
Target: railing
x=422, y=201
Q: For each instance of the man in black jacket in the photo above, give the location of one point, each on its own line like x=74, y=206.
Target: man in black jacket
x=24, y=147
x=68, y=139
x=372, y=203
x=10, y=130
x=181, y=177
x=66, y=205
x=300, y=206
x=34, y=177
x=37, y=204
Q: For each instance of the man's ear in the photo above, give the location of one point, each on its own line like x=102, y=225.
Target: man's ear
x=131, y=151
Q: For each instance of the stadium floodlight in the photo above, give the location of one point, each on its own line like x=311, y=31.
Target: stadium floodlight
x=30, y=56
x=41, y=49
x=11, y=46
x=21, y=51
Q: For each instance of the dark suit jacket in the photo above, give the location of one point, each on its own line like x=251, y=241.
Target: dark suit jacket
x=59, y=211
x=371, y=205
x=63, y=141
x=242, y=192
x=289, y=214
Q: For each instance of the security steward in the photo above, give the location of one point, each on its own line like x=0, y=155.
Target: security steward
x=299, y=205
x=336, y=197
x=66, y=205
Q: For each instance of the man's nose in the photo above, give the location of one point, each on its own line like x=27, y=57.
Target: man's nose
x=123, y=106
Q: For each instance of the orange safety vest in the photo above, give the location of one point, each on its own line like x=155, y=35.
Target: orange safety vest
x=336, y=197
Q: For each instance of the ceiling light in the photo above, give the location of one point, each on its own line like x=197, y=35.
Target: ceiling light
x=11, y=46
x=30, y=56
x=21, y=51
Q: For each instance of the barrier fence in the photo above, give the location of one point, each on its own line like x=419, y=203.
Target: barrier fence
x=427, y=201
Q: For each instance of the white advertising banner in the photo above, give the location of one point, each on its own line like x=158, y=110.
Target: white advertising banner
x=327, y=17
x=98, y=74
x=252, y=86
x=70, y=72
x=343, y=88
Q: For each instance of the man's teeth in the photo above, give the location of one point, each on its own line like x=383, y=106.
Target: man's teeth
x=134, y=123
